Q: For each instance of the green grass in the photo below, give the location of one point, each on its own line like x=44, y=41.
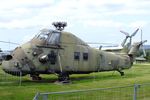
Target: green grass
x=139, y=73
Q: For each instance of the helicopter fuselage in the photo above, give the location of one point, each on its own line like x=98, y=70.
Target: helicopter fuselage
x=56, y=52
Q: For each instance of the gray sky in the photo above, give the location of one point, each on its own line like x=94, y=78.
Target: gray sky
x=91, y=20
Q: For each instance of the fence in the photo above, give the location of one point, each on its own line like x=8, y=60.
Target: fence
x=132, y=92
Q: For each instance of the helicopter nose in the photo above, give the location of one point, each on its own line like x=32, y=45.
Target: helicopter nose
x=11, y=67
x=7, y=57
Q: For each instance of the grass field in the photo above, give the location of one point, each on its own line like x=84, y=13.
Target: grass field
x=139, y=73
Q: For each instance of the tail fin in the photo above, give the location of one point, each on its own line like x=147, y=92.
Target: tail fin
x=125, y=49
x=135, y=48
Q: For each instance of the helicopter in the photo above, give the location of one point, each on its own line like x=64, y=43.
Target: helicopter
x=62, y=53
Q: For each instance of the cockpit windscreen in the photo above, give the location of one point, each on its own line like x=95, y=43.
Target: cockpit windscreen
x=51, y=37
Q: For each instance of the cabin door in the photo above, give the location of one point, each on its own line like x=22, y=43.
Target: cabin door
x=102, y=63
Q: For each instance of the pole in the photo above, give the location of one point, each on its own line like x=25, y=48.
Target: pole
x=136, y=86
x=20, y=79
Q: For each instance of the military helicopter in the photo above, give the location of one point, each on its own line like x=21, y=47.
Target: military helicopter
x=62, y=53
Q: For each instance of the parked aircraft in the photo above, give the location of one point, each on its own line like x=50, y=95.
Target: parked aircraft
x=62, y=53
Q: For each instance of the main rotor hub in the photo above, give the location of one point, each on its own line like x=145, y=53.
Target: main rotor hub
x=59, y=25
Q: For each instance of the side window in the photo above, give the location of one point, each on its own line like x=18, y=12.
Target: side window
x=85, y=56
x=77, y=55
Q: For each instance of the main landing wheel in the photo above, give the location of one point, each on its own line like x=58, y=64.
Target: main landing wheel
x=36, y=77
x=64, y=77
x=121, y=72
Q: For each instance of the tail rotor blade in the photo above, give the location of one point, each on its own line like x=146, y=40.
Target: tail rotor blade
x=124, y=41
x=144, y=41
x=130, y=43
x=134, y=33
x=127, y=34
x=141, y=35
x=144, y=53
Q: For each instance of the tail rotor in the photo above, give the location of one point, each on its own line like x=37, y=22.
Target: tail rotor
x=128, y=36
x=142, y=42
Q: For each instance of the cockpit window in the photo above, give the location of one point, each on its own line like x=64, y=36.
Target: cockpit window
x=54, y=38
x=51, y=37
x=43, y=35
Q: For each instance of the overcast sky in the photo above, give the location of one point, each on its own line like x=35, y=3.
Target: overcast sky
x=91, y=20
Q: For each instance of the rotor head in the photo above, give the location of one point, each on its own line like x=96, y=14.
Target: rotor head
x=59, y=25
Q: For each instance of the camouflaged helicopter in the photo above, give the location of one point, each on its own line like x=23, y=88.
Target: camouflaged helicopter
x=62, y=53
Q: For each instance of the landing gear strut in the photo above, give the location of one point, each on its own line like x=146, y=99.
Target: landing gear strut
x=63, y=78
x=121, y=72
x=35, y=77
